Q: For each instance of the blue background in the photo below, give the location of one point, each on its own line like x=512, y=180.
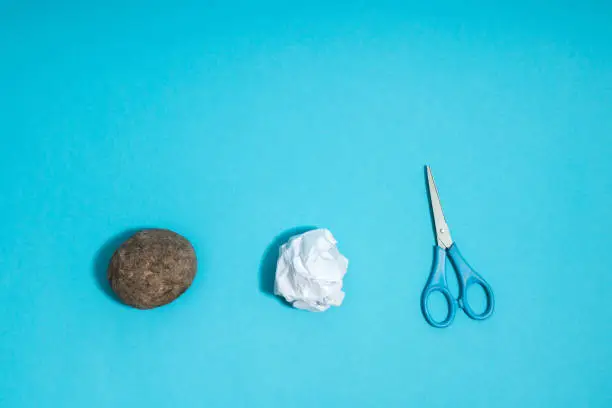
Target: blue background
x=234, y=123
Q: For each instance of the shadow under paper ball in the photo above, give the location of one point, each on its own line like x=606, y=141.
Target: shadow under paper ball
x=267, y=267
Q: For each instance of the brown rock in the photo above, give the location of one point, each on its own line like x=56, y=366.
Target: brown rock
x=152, y=268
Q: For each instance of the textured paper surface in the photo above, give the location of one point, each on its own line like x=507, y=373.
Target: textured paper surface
x=310, y=270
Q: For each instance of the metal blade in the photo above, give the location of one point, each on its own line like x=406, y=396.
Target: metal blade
x=442, y=233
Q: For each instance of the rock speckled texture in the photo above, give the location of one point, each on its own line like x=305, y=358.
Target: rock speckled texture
x=152, y=268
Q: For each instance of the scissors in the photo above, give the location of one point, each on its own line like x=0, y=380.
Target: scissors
x=466, y=276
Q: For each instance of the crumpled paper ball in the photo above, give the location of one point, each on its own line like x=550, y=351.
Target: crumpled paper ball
x=152, y=268
x=310, y=270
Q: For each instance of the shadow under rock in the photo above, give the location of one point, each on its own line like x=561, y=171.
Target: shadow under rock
x=102, y=259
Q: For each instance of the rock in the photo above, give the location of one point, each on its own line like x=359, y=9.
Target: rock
x=152, y=268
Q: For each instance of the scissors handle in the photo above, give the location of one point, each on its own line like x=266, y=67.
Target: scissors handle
x=437, y=283
x=467, y=277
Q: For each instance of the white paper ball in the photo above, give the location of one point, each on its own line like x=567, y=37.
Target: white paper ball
x=310, y=270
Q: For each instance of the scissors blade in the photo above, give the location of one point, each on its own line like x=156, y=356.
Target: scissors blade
x=442, y=233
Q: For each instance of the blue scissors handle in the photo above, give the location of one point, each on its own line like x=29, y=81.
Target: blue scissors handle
x=466, y=277
x=437, y=283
